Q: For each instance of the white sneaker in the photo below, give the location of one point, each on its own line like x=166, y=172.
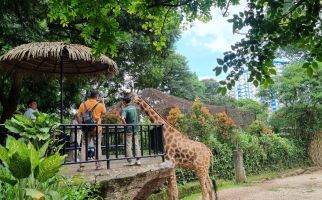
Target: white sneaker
x=138, y=163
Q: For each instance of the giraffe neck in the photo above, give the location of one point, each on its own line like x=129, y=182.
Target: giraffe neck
x=151, y=113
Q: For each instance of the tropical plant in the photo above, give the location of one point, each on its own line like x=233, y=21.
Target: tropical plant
x=27, y=171
x=38, y=131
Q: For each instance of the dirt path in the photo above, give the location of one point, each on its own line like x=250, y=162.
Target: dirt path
x=306, y=186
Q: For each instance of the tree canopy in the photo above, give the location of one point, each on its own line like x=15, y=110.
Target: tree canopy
x=301, y=97
x=273, y=25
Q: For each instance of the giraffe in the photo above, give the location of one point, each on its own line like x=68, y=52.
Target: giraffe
x=183, y=152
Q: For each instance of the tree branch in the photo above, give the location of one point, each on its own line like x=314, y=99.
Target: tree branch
x=168, y=4
x=226, y=10
x=294, y=8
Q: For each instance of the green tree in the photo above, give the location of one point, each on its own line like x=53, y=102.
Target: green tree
x=302, y=97
x=273, y=25
x=211, y=96
x=250, y=104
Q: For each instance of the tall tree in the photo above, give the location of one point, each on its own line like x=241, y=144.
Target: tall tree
x=211, y=96
x=273, y=25
x=301, y=97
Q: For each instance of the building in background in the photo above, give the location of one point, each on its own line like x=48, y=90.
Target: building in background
x=244, y=89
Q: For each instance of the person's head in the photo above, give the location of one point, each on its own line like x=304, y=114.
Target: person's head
x=32, y=104
x=93, y=94
x=126, y=99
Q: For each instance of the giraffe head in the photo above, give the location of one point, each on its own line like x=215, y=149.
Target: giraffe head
x=134, y=97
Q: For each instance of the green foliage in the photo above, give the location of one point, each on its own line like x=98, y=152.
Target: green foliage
x=271, y=153
x=211, y=96
x=34, y=131
x=259, y=128
x=101, y=25
x=250, y=104
x=301, y=96
x=198, y=125
x=78, y=189
x=26, y=172
x=273, y=25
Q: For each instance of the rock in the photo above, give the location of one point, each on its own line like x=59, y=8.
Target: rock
x=138, y=185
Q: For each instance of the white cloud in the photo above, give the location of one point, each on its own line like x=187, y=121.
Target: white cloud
x=215, y=35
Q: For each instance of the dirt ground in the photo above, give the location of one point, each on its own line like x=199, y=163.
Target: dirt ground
x=301, y=187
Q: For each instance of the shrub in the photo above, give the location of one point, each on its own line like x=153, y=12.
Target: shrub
x=270, y=153
x=112, y=117
x=174, y=116
x=259, y=128
x=225, y=126
x=199, y=124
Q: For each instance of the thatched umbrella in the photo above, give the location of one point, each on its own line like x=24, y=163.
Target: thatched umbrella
x=53, y=59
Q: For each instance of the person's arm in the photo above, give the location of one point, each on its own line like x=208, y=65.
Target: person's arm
x=123, y=116
x=79, y=114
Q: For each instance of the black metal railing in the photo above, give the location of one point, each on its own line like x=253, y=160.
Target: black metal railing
x=109, y=142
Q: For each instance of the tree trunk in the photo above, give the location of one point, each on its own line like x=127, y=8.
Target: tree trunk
x=315, y=149
x=240, y=174
x=10, y=102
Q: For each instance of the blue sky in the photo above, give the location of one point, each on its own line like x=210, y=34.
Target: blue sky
x=203, y=43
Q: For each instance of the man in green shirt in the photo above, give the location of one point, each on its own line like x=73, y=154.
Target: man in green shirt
x=129, y=116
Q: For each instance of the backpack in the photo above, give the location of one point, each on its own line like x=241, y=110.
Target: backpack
x=88, y=118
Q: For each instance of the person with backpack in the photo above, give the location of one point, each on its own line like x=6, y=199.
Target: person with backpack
x=91, y=112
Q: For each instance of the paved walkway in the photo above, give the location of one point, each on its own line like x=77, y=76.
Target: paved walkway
x=301, y=187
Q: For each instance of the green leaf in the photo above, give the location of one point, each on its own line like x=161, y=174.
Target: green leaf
x=24, y=119
x=220, y=61
x=4, y=154
x=255, y=82
x=309, y=71
x=223, y=90
x=45, y=130
x=6, y=176
x=49, y=167
x=34, y=194
x=306, y=65
x=34, y=156
x=12, y=145
x=20, y=163
x=229, y=86
x=272, y=71
x=319, y=58
x=315, y=65
x=218, y=70
x=225, y=68
x=43, y=149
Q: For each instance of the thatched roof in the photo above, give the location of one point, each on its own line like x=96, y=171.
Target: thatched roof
x=44, y=58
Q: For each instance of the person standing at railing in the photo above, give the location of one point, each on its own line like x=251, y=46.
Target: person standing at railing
x=97, y=108
x=130, y=116
x=32, y=108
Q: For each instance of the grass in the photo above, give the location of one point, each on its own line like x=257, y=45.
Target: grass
x=191, y=191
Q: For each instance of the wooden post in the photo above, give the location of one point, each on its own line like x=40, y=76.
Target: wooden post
x=240, y=174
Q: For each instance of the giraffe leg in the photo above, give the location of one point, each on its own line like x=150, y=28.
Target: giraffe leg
x=172, y=187
x=202, y=175
x=210, y=188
